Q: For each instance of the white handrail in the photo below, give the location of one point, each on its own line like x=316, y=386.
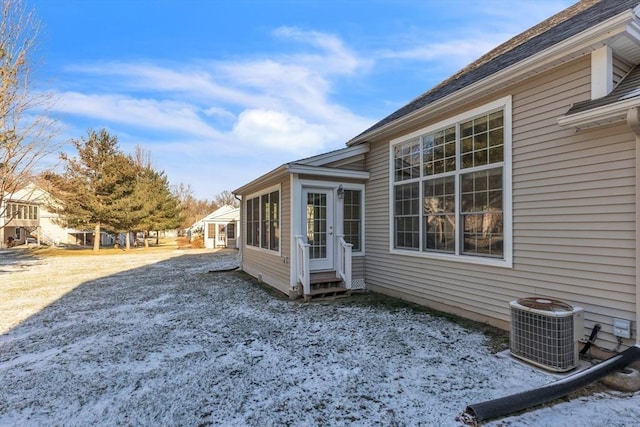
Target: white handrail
x=344, y=261
x=302, y=265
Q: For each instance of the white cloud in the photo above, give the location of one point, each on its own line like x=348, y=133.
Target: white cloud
x=335, y=58
x=279, y=103
x=279, y=131
x=219, y=112
x=144, y=113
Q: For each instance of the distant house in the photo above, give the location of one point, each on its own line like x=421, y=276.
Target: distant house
x=517, y=176
x=20, y=215
x=222, y=228
x=25, y=218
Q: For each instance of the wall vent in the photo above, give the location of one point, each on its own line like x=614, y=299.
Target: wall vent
x=546, y=332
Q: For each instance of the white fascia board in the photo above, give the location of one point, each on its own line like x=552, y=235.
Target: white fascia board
x=281, y=170
x=566, y=50
x=327, y=172
x=633, y=29
x=599, y=116
x=335, y=156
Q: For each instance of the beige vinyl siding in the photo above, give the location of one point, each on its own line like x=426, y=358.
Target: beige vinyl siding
x=266, y=265
x=573, y=218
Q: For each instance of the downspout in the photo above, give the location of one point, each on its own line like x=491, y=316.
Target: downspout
x=240, y=233
x=633, y=120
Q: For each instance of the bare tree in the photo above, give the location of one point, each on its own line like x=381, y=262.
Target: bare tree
x=26, y=130
x=192, y=209
x=226, y=198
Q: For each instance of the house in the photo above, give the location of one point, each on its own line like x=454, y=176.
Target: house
x=19, y=216
x=221, y=228
x=515, y=177
x=24, y=218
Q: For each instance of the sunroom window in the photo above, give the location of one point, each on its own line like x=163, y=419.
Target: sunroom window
x=352, y=218
x=263, y=221
x=448, y=186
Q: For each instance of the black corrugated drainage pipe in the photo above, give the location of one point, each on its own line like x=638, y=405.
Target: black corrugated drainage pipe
x=517, y=402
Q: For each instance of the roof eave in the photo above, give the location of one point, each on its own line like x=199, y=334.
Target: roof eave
x=335, y=156
x=562, y=52
x=313, y=166
x=275, y=173
x=328, y=172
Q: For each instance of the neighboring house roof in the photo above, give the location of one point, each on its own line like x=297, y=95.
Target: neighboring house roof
x=225, y=213
x=570, y=22
x=31, y=193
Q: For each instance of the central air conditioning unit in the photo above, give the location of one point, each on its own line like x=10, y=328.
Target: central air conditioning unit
x=546, y=332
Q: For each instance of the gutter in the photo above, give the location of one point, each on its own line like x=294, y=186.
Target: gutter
x=612, y=113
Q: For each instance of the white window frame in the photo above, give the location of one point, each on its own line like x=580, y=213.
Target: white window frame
x=259, y=194
x=233, y=226
x=360, y=188
x=507, y=261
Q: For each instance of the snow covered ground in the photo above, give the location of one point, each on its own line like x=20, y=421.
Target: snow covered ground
x=156, y=339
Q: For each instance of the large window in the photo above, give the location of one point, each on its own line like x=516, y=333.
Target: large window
x=448, y=186
x=21, y=211
x=263, y=221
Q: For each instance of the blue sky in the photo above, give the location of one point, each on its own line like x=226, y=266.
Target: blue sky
x=222, y=91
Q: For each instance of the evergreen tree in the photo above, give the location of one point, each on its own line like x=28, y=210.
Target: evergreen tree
x=90, y=191
x=162, y=207
x=128, y=206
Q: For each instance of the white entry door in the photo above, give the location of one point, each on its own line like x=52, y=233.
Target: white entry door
x=318, y=227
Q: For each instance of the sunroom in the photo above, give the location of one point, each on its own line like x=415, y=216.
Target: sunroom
x=303, y=225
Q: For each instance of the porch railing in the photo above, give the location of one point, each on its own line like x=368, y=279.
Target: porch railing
x=302, y=265
x=343, y=270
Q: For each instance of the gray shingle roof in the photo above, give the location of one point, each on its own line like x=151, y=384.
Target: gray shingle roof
x=628, y=88
x=571, y=21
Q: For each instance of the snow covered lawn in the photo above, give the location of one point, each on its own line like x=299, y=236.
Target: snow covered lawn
x=156, y=339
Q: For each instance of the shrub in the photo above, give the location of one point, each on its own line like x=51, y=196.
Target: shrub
x=197, y=242
x=183, y=242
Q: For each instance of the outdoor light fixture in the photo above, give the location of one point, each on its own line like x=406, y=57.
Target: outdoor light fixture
x=340, y=192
